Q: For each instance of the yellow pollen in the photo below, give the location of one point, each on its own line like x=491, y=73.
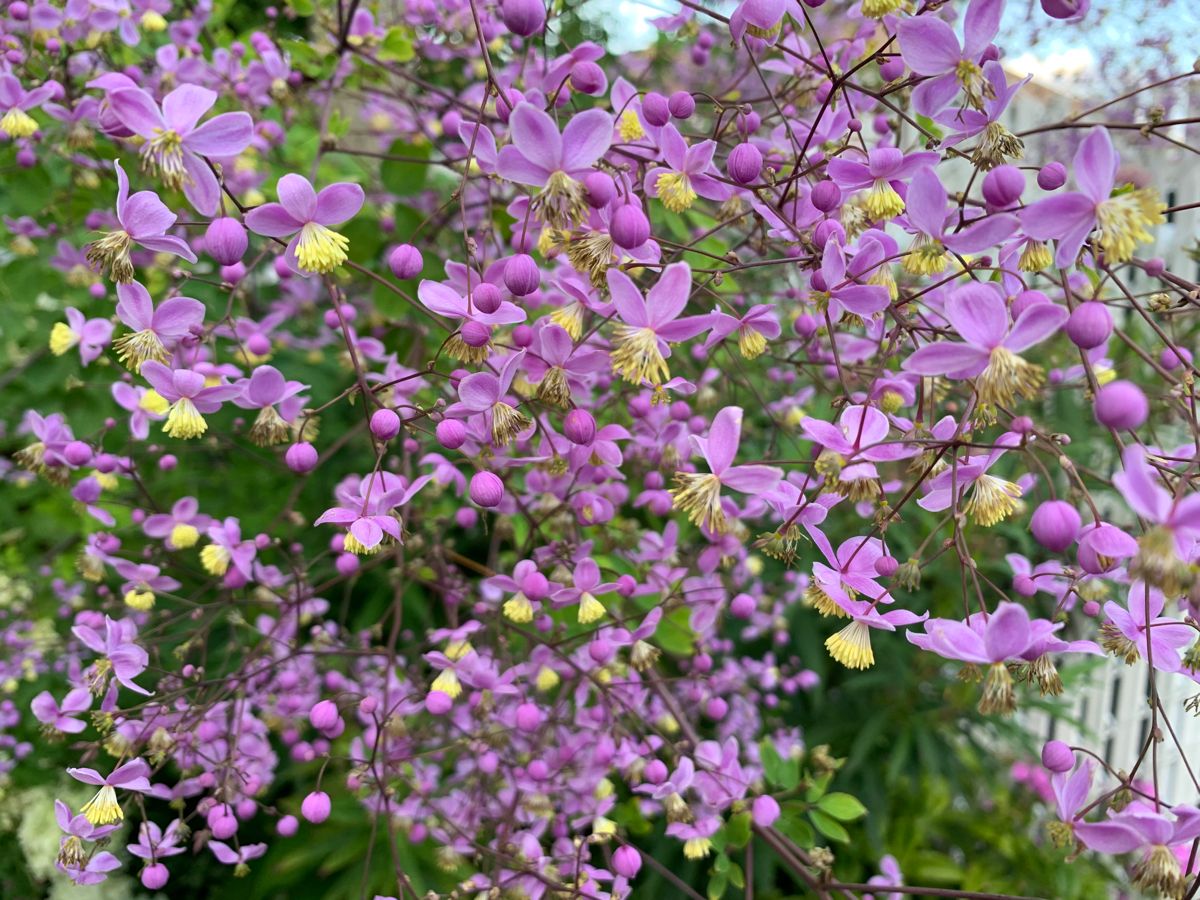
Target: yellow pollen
x=507, y=423
x=675, y=191
x=630, y=126
x=1006, y=376
x=547, y=679
x=697, y=848
x=319, y=249
x=518, y=608
x=112, y=250
x=699, y=495
x=18, y=123
x=991, y=500
x=103, y=809
x=751, y=343
x=926, y=256
x=153, y=21
x=636, y=356
x=138, y=347
x=269, y=428
x=561, y=204
x=184, y=536
x=592, y=253
x=852, y=646
x=590, y=609
x=447, y=682
x=184, y=420
x=882, y=201
x=1122, y=221
x=215, y=559
x=998, y=695
x=1035, y=257
x=456, y=650
x=815, y=597
x=139, y=600
x=570, y=319
x=154, y=403
x=877, y=9
x=62, y=338
x=162, y=155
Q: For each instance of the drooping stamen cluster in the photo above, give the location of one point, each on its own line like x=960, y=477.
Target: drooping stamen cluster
x=636, y=357
x=1122, y=221
x=675, y=191
x=991, y=499
x=162, y=155
x=699, y=495
x=320, y=249
x=562, y=203
x=1006, y=376
x=111, y=251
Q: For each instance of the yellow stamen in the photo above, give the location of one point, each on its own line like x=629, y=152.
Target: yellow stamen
x=877, y=9
x=882, y=201
x=18, y=123
x=751, y=344
x=852, y=646
x=320, y=250
x=459, y=349
x=570, y=319
x=112, y=250
x=456, y=650
x=630, y=127
x=997, y=145
x=553, y=388
x=590, y=609
x=103, y=809
x=153, y=402
x=62, y=338
x=998, y=695
x=1123, y=219
x=697, y=848
x=153, y=21
x=636, y=356
x=926, y=256
x=138, y=347
x=184, y=536
x=162, y=155
x=547, y=679
x=184, y=420
x=991, y=500
x=675, y=191
x=561, y=203
x=1006, y=376
x=507, y=423
x=269, y=428
x=139, y=600
x=1160, y=872
x=591, y=254
x=815, y=597
x=699, y=495
x=518, y=608
x=447, y=682
x=215, y=559
x=1035, y=257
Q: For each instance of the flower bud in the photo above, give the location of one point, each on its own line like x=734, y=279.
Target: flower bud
x=155, y=876
x=224, y=827
x=438, y=703
x=1002, y=186
x=1172, y=358
x=405, y=261
x=77, y=453
x=826, y=196
x=475, y=334
x=19, y=11
x=225, y=240
x=1057, y=756
x=744, y=164
x=655, y=108
x=323, y=715
x=523, y=17
x=288, y=826
x=385, y=424
x=599, y=189
x=316, y=807
x=1055, y=525
x=588, y=78
x=301, y=457
x=1066, y=9
x=627, y=861
x=805, y=325
x=764, y=811
x=742, y=606
x=486, y=297
x=1121, y=405
x=580, y=427
x=529, y=717
x=681, y=105
x=1026, y=299
x=716, y=708
x=451, y=433
x=1052, y=176
x=486, y=489
x=886, y=566
x=629, y=226
x=891, y=68
x=521, y=275
x=522, y=335
x=1090, y=325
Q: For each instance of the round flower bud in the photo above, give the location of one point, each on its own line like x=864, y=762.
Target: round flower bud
x=1026, y=299
x=154, y=876
x=486, y=489
x=258, y=344
x=1024, y=585
x=655, y=772
x=716, y=709
x=744, y=164
x=451, y=433
x=1057, y=756
x=385, y=424
x=301, y=457
x=225, y=240
x=627, y=861
x=891, y=68
x=655, y=108
x=681, y=105
x=1172, y=358
x=521, y=275
x=588, y=78
x=886, y=566
x=523, y=17
x=1052, y=176
x=288, y=826
x=826, y=196
x=1003, y=185
x=405, y=261
x=580, y=427
x=522, y=335
x=1155, y=266
x=224, y=827
x=77, y=453
x=346, y=563
x=599, y=189
x=316, y=807
x=764, y=811
x=1090, y=325
x=1055, y=525
x=1066, y=9
x=486, y=297
x=475, y=334
x=19, y=10
x=438, y=703
x=805, y=325
x=529, y=717
x=742, y=606
x=629, y=226
x=600, y=650
x=323, y=715
x=1121, y=405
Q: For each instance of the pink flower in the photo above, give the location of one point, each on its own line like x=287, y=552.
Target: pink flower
x=301, y=209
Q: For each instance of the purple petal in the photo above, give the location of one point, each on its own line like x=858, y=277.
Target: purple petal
x=1007, y=632
x=945, y=358
x=224, y=135
x=977, y=313
x=183, y=107
x=1034, y=325
x=1056, y=217
x=631, y=305
x=201, y=188
x=536, y=136
x=585, y=139
x=752, y=479
x=137, y=111
x=146, y=215
x=513, y=165
x=925, y=204
x=134, y=306
x=930, y=97
x=669, y=296
x=338, y=203
x=928, y=45
x=297, y=196
x=723, y=439
x=1096, y=165
x=479, y=391
x=272, y=220
x=980, y=25
x=266, y=386
x=981, y=234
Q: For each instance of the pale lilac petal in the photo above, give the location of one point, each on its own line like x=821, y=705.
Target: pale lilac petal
x=946, y=358
x=224, y=135
x=1037, y=323
x=338, y=203
x=925, y=205
x=977, y=313
x=137, y=111
x=928, y=45
x=930, y=97
x=1007, y=632
x=752, y=479
x=670, y=294
x=631, y=305
x=585, y=139
x=201, y=189
x=297, y=196
x=1137, y=485
x=479, y=391
x=1096, y=165
x=723, y=439
x=146, y=215
x=183, y=107
x=1055, y=217
x=984, y=233
x=272, y=220
x=513, y=165
x=536, y=136
x=980, y=25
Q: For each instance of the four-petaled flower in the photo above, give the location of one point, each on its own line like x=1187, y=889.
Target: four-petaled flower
x=304, y=215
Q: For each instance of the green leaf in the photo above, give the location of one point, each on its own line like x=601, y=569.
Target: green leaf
x=397, y=45
x=784, y=774
x=841, y=806
x=797, y=831
x=405, y=177
x=302, y=7
x=736, y=877
x=737, y=830
x=828, y=826
x=717, y=885
x=674, y=634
